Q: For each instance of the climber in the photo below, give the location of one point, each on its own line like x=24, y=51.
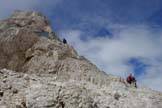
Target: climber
x=131, y=80
x=64, y=41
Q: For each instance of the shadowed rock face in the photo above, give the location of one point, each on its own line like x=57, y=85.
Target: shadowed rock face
x=42, y=72
x=18, y=35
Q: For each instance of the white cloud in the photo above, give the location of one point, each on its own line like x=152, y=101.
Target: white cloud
x=111, y=55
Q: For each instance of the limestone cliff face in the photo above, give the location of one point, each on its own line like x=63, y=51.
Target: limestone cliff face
x=39, y=71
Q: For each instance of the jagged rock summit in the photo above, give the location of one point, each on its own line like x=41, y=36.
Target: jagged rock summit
x=39, y=71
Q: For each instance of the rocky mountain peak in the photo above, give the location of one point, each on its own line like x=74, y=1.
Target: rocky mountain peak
x=28, y=19
x=26, y=14
x=37, y=70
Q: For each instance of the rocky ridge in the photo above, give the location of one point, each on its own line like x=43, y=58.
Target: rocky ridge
x=39, y=71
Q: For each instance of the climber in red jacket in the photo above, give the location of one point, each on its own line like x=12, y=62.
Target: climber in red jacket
x=131, y=80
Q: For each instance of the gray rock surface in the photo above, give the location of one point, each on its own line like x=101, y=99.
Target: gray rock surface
x=39, y=71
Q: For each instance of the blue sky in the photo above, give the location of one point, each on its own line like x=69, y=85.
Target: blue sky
x=119, y=36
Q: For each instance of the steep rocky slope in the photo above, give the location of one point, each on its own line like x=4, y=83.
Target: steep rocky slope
x=39, y=71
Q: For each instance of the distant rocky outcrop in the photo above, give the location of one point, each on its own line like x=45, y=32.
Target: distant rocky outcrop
x=39, y=71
